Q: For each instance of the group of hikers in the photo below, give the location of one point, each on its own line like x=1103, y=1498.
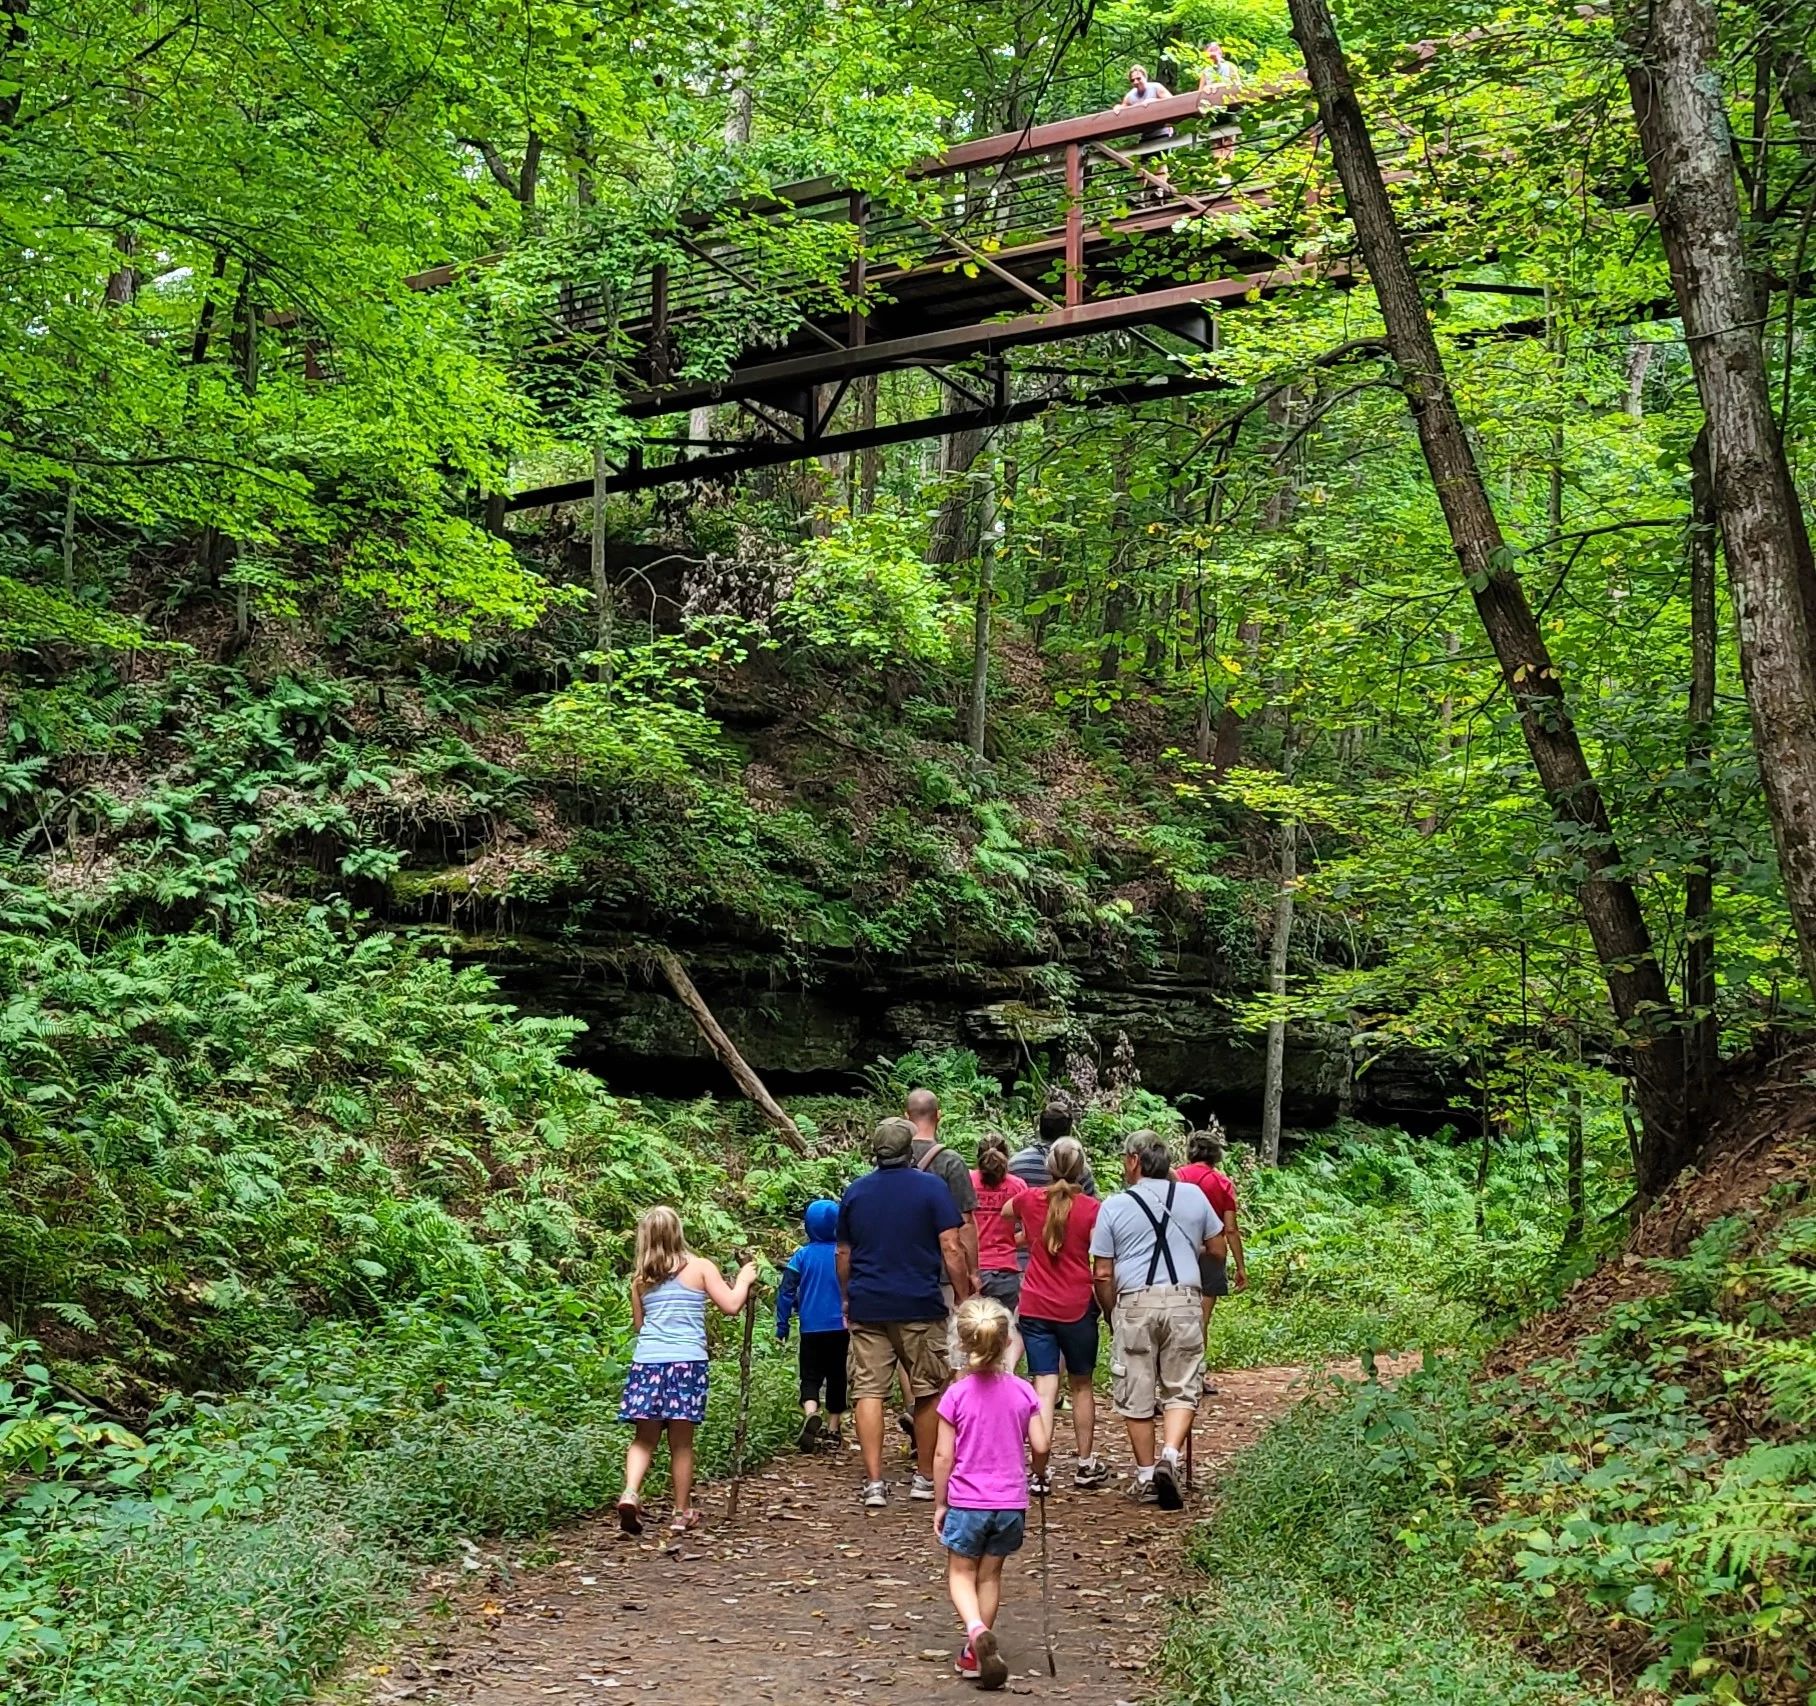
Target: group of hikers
x=941, y=1278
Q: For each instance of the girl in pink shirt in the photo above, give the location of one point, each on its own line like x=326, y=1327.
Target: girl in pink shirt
x=980, y=1480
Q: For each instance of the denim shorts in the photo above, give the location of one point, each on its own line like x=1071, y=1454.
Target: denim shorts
x=1046, y=1342
x=983, y=1534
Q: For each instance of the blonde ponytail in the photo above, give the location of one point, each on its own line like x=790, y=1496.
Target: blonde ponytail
x=1066, y=1164
x=984, y=1331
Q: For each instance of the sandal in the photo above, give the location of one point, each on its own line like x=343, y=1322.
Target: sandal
x=684, y=1522
x=630, y=1517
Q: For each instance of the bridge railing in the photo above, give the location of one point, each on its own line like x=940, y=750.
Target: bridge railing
x=1016, y=217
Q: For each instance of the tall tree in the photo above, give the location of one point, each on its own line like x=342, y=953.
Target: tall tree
x=1610, y=905
x=1689, y=149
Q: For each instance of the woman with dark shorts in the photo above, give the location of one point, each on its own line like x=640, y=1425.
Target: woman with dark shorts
x=1058, y=1308
x=1204, y=1168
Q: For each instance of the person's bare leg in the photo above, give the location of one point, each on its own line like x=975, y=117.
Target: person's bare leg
x=640, y=1454
x=1046, y=1389
x=1141, y=1441
x=1084, y=1415
x=961, y=1584
x=989, y=1589
x=1175, y=1424
x=926, y=1434
x=870, y=1436
x=835, y=1419
x=681, y=1463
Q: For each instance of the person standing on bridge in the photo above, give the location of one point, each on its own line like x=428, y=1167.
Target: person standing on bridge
x=1217, y=76
x=1144, y=1258
x=898, y=1228
x=1144, y=91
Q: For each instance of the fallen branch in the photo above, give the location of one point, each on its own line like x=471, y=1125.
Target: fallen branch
x=727, y=1050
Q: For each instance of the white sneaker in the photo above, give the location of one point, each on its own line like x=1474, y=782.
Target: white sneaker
x=921, y=1487
x=876, y=1494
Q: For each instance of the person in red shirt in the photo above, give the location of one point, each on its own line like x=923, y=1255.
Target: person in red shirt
x=1204, y=1168
x=1058, y=1307
x=999, y=1272
x=998, y=1239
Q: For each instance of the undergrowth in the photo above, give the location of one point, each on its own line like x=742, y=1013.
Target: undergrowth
x=1371, y=1240
x=1639, y=1514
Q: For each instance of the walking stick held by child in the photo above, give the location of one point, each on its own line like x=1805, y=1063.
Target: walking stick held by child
x=740, y=1438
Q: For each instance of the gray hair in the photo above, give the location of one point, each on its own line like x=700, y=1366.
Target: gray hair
x=1152, y=1149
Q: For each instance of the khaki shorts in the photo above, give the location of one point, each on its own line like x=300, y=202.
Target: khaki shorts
x=1157, y=1354
x=919, y=1346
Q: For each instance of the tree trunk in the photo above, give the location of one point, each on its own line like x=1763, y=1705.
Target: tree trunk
x=123, y=281
x=989, y=552
x=602, y=589
x=12, y=42
x=1703, y=1049
x=1683, y=126
x=1611, y=910
x=1226, y=749
x=1573, y=1168
x=69, y=540
x=1639, y=359
x=1273, y=1084
x=869, y=462
x=726, y=1050
x=955, y=530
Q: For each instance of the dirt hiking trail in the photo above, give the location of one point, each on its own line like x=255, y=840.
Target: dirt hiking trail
x=811, y=1598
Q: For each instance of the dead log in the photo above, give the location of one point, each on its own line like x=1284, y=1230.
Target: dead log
x=727, y=1050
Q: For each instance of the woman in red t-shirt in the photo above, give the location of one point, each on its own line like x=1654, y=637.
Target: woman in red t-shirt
x=999, y=1273
x=1203, y=1168
x=1058, y=1308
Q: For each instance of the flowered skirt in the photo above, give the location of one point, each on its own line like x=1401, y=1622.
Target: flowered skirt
x=664, y=1392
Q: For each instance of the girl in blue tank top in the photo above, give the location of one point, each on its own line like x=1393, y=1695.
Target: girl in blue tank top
x=666, y=1388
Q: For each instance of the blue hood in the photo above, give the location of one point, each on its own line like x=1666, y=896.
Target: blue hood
x=821, y=1220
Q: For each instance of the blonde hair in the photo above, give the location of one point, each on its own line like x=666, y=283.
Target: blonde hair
x=661, y=1248
x=1066, y=1164
x=983, y=1333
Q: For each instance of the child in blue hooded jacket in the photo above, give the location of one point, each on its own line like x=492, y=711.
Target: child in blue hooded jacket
x=810, y=1289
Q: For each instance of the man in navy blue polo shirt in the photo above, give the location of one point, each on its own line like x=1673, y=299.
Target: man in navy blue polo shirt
x=898, y=1235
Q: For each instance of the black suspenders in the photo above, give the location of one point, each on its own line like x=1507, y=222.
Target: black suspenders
x=1160, y=1223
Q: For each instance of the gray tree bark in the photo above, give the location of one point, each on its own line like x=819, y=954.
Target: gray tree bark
x=1611, y=910
x=1676, y=91
x=1699, y=884
x=1273, y=1083
x=602, y=589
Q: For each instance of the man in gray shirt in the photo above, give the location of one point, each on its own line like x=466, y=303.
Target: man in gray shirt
x=1030, y=1164
x=1144, y=1265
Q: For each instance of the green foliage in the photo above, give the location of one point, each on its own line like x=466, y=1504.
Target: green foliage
x=863, y=594
x=1309, y=1593
x=1369, y=1239
x=1642, y=1506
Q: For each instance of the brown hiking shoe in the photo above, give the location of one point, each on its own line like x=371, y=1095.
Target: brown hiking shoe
x=992, y=1668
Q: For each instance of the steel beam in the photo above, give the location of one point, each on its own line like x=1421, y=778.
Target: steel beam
x=751, y=456
x=981, y=338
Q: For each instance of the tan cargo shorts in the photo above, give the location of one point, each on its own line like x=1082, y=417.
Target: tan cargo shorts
x=1157, y=1351
x=876, y=1348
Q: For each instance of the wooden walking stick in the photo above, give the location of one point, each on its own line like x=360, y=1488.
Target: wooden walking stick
x=739, y=1438
x=1046, y=1591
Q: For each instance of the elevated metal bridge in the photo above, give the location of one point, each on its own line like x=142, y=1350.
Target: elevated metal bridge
x=1120, y=222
